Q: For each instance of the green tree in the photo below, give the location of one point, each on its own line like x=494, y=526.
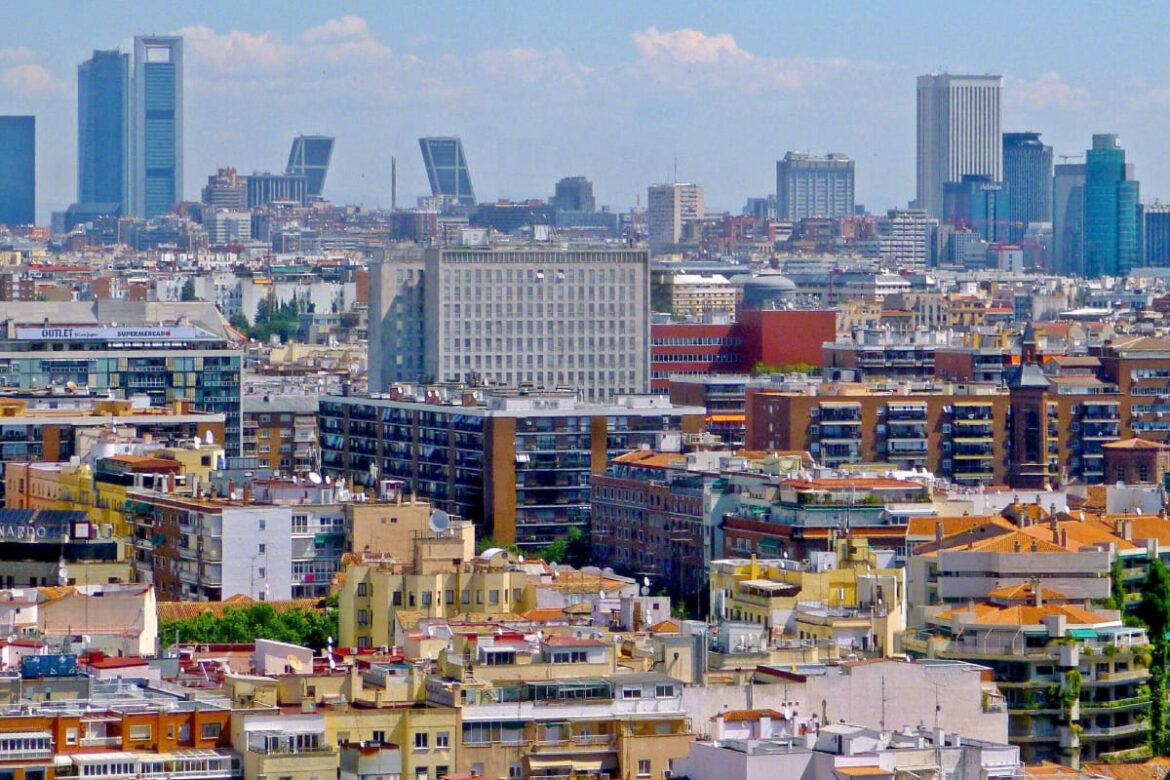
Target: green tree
x=306, y=627
x=1154, y=611
x=239, y=322
x=188, y=291
x=1116, y=587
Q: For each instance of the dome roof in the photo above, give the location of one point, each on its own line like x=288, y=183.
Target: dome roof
x=772, y=281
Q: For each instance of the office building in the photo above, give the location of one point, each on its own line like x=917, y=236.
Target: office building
x=166, y=351
x=515, y=463
x=1068, y=219
x=447, y=170
x=1027, y=178
x=813, y=186
x=977, y=203
x=103, y=138
x=265, y=188
x=309, y=157
x=907, y=239
x=280, y=431
x=959, y=119
x=1155, y=224
x=18, y=171
x=574, y=193
x=226, y=190
x=538, y=317
x=1111, y=209
x=668, y=206
x=157, y=139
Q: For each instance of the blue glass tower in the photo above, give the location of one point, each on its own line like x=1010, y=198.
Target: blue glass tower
x=18, y=178
x=157, y=182
x=103, y=117
x=447, y=169
x=1111, y=235
x=980, y=203
x=309, y=157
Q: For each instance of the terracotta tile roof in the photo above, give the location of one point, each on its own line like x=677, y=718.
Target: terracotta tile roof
x=183, y=610
x=1024, y=591
x=1079, y=534
x=1151, y=769
x=863, y=771
x=1027, y=615
x=925, y=527
x=1135, y=444
x=1047, y=769
x=668, y=626
x=1007, y=543
x=740, y=716
x=541, y=614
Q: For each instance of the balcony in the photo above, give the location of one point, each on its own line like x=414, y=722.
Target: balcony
x=101, y=741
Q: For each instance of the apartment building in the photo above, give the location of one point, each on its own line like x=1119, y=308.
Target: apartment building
x=516, y=463
x=1074, y=680
x=280, y=431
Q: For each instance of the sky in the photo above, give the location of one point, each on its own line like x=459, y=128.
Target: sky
x=619, y=92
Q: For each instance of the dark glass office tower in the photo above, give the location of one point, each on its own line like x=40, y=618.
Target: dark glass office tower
x=1027, y=176
x=18, y=178
x=103, y=116
x=447, y=169
x=309, y=157
x=158, y=124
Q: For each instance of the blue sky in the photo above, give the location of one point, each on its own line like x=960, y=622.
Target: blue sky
x=615, y=91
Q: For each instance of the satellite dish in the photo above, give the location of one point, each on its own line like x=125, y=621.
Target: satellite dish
x=209, y=437
x=439, y=521
x=315, y=478
x=646, y=581
x=294, y=663
x=373, y=470
x=520, y=560
x=328, y=480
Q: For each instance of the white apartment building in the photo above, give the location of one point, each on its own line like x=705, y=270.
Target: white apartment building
x=667, y=207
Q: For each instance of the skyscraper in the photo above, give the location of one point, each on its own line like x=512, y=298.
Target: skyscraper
x=574, y=193
x=309, y=157
x=447, y=169
x=18, y=177
x=157, y=138
x=977, y=202
x=667, y=207
x=1155, y=222
x=103, y=139
x=959, y=120
x=1111, y=209
x=1068, y=219
x=1027, y=176
x=812, y=186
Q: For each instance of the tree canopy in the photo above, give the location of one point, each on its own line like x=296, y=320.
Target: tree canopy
x=257, y=621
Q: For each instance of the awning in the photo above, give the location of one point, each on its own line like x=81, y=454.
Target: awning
x=726, y=418
x=548, y=763
x=1082, y=633
x=587, y=764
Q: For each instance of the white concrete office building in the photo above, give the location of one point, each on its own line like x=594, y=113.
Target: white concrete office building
x=959, y=132
x=668, y=206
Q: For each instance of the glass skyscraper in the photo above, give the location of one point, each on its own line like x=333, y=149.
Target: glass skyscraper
x=103, y=138
x=1027, y=176
x=959, y=119
x=18, y=178
x=158, y=124
x=1111, y=210
x=447, y=169
x=309, y=157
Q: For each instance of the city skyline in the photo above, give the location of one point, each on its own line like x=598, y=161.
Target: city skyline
x=611, y=93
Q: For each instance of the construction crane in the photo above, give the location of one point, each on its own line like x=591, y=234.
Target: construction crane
x=1066, y=157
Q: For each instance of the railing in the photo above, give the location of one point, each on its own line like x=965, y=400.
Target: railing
x=101, y=741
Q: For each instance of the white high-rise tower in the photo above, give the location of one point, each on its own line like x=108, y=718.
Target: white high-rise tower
x=959, y=132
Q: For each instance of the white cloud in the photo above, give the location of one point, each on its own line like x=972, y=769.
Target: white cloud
x=17, y=55
x=31, y=80
x=347, y=28
x=686, y=58
x=528, y=67
x=235, y=51
x=1046, y=91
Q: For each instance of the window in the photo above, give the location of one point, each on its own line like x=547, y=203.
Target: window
x=379, y=736
x=643, y=767
x=363, y=617
x=450, y=597
x=211, y=730
x=442, y=740
x=361, y=589
x=397, y=599
x=465, y=597
x=631, y=693
x=261, y=522
x=70, y=736
x=138, y=733
x=441, y=770
x=260, y=547
x=420, y=740
x=663, y=691
x=477, y=769
x=493, y=596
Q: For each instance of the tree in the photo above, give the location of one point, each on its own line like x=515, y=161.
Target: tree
x=310, y=628
x=239, y=322
x=188, y=290
x=1154, y=611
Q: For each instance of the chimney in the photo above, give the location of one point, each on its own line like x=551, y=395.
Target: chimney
x=1038, y=592
x=1035, y=545
x=1017, y=545
x=1064, y=538
x=938, y=531
x=1052, y=526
